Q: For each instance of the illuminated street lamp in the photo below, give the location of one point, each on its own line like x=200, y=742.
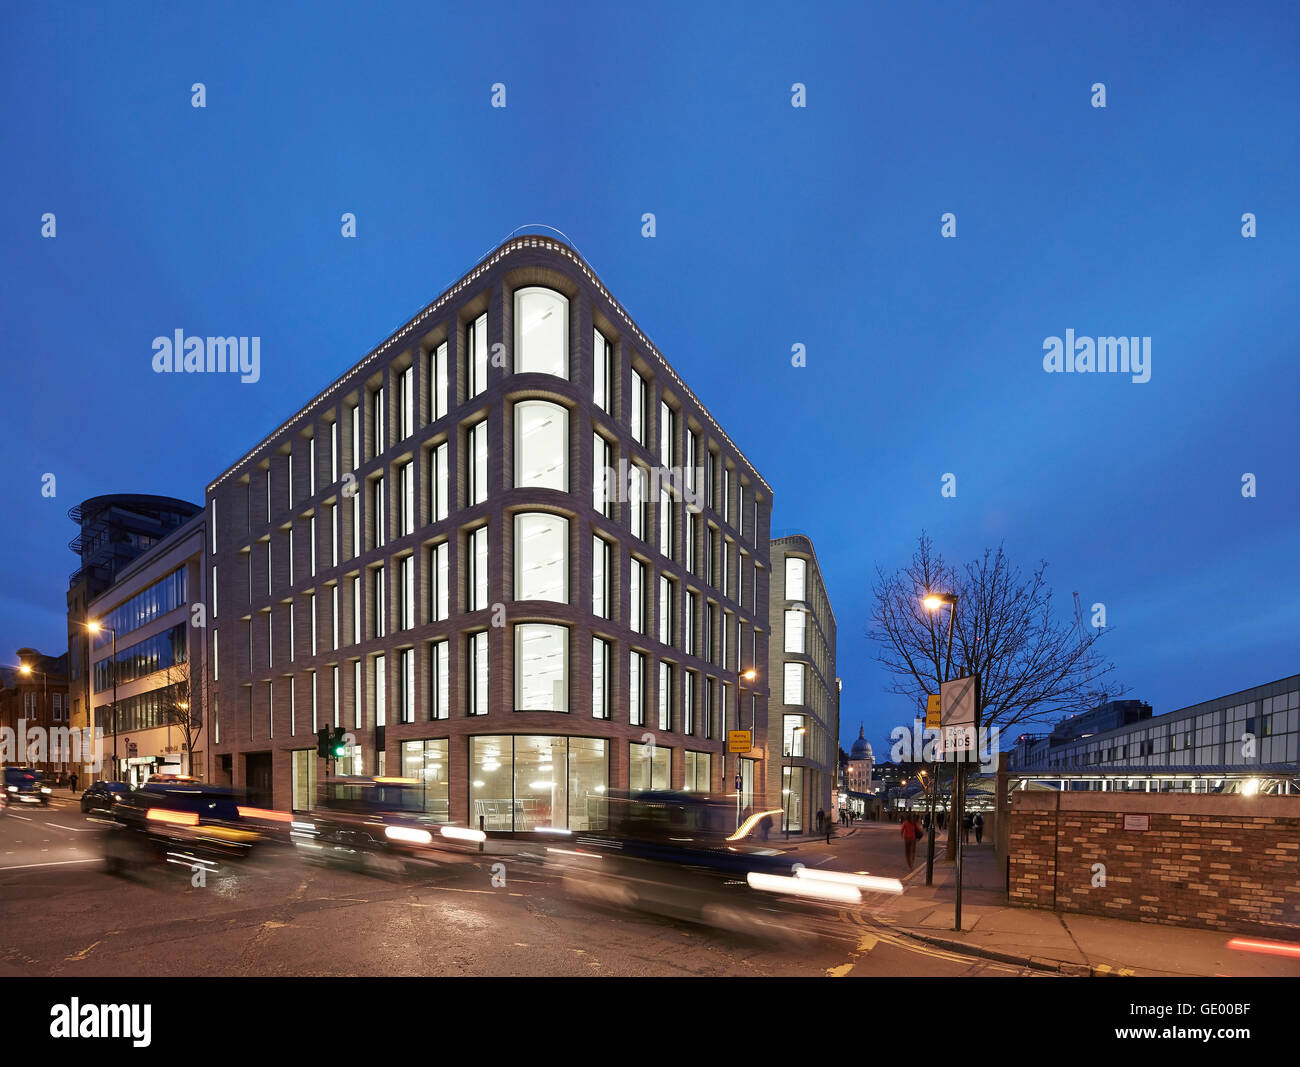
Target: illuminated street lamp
x=748, y=675
x=95, y=626
x=789, y=788
x=933, y=602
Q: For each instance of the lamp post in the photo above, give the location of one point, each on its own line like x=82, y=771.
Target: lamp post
x=95, y=626
x=790, y=776
x=26, y=669
x=933, y=602
x=741, y=676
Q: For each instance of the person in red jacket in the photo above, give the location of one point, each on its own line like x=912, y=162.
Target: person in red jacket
x=910, y=834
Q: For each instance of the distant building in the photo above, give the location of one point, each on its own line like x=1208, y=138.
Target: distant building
x=159, y=690
x=804, y=684
x=1253, y=728
x=36, y=700
x=113, y=531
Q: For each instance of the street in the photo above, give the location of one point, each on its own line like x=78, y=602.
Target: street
x=64, y=916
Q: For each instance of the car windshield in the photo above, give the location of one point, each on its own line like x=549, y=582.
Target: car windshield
x=117, y=787
x=20, y=777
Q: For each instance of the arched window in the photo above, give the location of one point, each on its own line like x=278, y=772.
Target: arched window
x=541, y=445
x=541, y=332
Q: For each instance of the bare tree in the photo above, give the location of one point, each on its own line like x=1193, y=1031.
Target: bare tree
x=1032, y=666
x=182, y=710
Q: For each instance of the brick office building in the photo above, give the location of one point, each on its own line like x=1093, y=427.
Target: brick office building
x=424, y=555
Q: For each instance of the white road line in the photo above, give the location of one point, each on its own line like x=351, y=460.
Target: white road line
x=23, y=817
x=55, y=863
x=74, y=829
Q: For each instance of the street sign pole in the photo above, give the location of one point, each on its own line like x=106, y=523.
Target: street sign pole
x=961, y=712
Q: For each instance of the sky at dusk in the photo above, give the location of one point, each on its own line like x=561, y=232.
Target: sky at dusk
x=776, y=226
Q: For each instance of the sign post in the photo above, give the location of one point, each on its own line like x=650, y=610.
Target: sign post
x=960, y=718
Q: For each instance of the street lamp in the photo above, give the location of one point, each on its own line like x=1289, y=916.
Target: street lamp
x=748, y=675
x=26, y=669
x=933, y=602
x=790, y=779
x=95, y=626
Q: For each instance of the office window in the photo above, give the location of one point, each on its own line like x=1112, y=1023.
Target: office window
x=726, y=493
x=288, y=481
x=666, y=606
x=541, y=557
x=667, y=435
x=636, y=688
x=692, y=458
x=649, y=766
x=439, y=482
x=794, y=635
x=699, y=772
x=636, y=596
x=692, y=609
x=381, y=692
x=356, y=524
x=216, y=662
x=439, y=680
x=710, y=623
x=794, y=733
x=476, y=357
x=476, y=458
x=478, y=569
x=311, y=535
x=354, y=420
x=478, y=673
x=214, y=592
x=541, y=445
x=706, y=707
x=406, y=403
x=638, y=504
x=439, y=383
x=356, y=694
x=379, y=502
x=600, y=657
x=291, y=648
x=665, y=696
x=334, y=451
x=407, y=577
x=794, y=683
x=334, y=672
x=794, y=578
x=604, y=478
x=667, y=511
x=600, y=575
x=334, y=534
x=311, y=466
x=311, y=609
x=380, y=602
x=541, y=332
x=726, y=568
x=638, y=413
x=334, y=614
x=541, y=667
x=602, y=371
x=356, y=609
x=692, y=536
x=406, y=498
x=268, y=564
x=377, y=424
x=439, y=581
x=406, y=680
x=688, y=703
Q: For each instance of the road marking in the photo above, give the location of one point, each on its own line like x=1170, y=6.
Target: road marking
x=74, y=829
x=55, y=863
x=82, y=954
x=865, y=945
x=23, y=817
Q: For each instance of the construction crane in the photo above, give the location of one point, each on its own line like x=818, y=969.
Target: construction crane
x=1095, y=698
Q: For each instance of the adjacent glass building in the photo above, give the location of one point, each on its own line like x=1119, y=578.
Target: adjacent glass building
x=509, y=551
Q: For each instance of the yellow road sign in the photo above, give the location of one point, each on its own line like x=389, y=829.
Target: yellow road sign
x=932, y=711
x=739, y=740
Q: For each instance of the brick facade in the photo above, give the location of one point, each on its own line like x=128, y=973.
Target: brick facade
x=1225, y=862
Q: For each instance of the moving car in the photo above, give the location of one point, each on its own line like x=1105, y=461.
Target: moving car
x=376, y=825
x=102, y=796
x=23, y=785
x=191, y=825
x=680, y=855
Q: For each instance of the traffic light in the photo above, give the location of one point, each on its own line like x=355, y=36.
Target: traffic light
x=338, y=747
x=323, y=743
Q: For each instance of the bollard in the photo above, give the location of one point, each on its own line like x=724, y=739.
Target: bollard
x=482, y=829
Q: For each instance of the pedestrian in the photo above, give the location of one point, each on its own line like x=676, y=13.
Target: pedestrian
x=909, y=842
x=821, y=818
x=73, y=779
x=967, y=824
x=979, y=827
x=830, y=829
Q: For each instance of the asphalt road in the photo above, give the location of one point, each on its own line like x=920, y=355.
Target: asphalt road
x=64, y=915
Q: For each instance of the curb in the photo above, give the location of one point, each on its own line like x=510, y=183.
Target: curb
x=1036, y=963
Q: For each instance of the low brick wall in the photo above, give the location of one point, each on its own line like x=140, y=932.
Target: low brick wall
x=1221, y=862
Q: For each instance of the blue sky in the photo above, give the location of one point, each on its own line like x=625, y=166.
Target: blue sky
x=776, y=225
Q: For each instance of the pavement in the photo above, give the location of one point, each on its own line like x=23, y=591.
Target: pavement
x=1067, y=944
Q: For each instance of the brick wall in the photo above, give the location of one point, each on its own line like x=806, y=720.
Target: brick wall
x=1220, y=862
